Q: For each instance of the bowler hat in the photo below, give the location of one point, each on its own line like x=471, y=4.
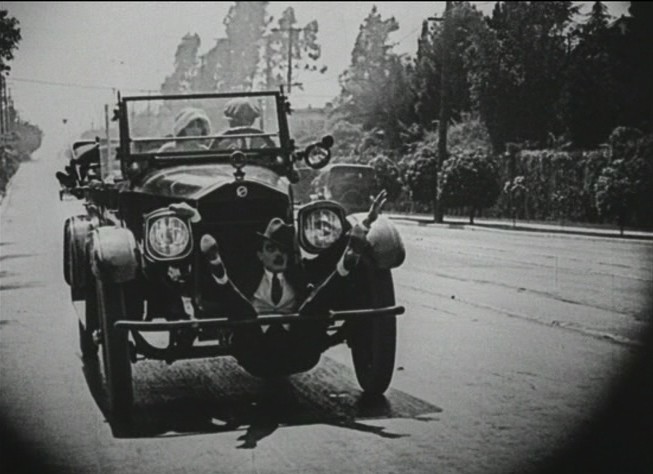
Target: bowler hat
x=280, y=233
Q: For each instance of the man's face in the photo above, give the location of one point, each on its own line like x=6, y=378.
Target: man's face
x=273, y=257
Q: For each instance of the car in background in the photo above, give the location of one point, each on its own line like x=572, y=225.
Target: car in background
x=351, y=185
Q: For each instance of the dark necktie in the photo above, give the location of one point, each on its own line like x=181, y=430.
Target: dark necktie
x=276, y=289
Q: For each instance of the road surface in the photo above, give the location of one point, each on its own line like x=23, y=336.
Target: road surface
x=509, y=345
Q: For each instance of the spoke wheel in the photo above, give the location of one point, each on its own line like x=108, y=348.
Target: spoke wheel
x=87, y=345
x=373, y=341
x=112, y=306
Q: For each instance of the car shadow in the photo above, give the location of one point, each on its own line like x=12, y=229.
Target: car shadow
x=217, y=396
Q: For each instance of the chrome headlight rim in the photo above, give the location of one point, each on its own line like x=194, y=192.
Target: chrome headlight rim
x=306, y=212
x=150, y=250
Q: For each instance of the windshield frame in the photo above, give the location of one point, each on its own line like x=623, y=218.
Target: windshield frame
x=127, y=156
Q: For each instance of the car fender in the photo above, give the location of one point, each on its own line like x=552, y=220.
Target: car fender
x=77, y=230
x=114, y=255
x=387, y=247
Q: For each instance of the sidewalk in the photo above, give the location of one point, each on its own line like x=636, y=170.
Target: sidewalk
x=483, y=223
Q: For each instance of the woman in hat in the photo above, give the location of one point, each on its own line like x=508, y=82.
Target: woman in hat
x=189, y=122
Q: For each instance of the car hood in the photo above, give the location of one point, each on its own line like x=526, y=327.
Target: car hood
x=193, y=182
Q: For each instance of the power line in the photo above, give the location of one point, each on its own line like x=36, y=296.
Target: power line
x=408, y=34
x=76, y=85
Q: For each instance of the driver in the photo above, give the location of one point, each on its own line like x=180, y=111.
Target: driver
x=241, y=115
x=189, y=122
x=240, y=112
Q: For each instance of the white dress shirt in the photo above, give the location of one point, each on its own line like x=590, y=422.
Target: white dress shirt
x=262, y=299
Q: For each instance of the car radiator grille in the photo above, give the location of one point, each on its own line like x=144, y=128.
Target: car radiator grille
x=234, y=224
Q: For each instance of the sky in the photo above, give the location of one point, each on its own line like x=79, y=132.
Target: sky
x=74, y=56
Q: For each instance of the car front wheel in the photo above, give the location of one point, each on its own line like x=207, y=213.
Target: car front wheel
x=87, y=345
x=112, y=305
x=373, y=340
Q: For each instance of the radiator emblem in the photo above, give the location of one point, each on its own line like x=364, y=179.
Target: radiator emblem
x=241, y=191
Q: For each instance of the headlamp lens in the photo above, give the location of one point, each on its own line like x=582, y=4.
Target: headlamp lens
x=321, y=228
x=169, y=236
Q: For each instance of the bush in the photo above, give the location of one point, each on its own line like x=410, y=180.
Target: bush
x=469, y=179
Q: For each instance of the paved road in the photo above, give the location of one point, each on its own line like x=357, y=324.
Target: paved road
x=508, y=347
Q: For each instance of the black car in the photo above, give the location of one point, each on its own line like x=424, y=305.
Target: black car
x=137, y=263
x=352, y=185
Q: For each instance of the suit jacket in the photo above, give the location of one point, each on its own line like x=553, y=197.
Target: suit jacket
x=302, y=275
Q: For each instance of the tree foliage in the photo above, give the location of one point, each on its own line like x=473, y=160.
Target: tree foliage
x=250, y=55
x=419, y=177
x=590, y=94
x=375, y=91
x=186, y=65
x=464, y=25
x=516, y=70
x=9, y=39
x=624, y=188
x=468, y=179
x=288, y=42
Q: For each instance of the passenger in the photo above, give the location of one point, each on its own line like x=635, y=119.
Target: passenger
x=189, y=122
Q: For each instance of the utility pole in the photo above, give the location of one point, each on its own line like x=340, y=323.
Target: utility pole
x=291, y=36
x=438, y=211
x=3, y=106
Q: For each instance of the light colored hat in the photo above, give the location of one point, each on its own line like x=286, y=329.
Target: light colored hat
x=241, y=110
x=188, y=115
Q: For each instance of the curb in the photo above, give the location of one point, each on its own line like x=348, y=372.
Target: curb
x=552, y=231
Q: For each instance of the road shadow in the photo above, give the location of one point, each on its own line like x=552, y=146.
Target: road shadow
x=16, y=255
x=19, y=286
x=217, y=396
x=6, y=274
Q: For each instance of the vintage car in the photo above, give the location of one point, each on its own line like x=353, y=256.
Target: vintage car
x=349, y=184
x=135, y=259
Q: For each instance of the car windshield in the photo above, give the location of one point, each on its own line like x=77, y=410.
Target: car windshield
x=188, y=124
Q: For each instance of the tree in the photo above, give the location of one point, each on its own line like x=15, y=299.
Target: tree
x=186, y=64
x=468, y=179
x=387, y=176
x=592, y=94
x=516, y=70
x=420, y=179
x=9, y=38
x=623, y=189
x=637, y=73
x=287, y=43
x=375, y=90
x=463, y=23
x=245, y=26
x=615, y=192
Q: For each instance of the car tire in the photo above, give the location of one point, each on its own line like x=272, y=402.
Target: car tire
x=87, y=345
x=373, y=340
x=112, y=304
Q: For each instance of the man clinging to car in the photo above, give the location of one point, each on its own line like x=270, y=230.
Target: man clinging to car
x=282, y=286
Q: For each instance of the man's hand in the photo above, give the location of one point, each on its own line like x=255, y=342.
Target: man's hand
x=184, y=210
x=358, y=233
x=375, y=208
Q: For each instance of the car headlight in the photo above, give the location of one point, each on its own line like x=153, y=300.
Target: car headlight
x=168, y=237
x=321, y=225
